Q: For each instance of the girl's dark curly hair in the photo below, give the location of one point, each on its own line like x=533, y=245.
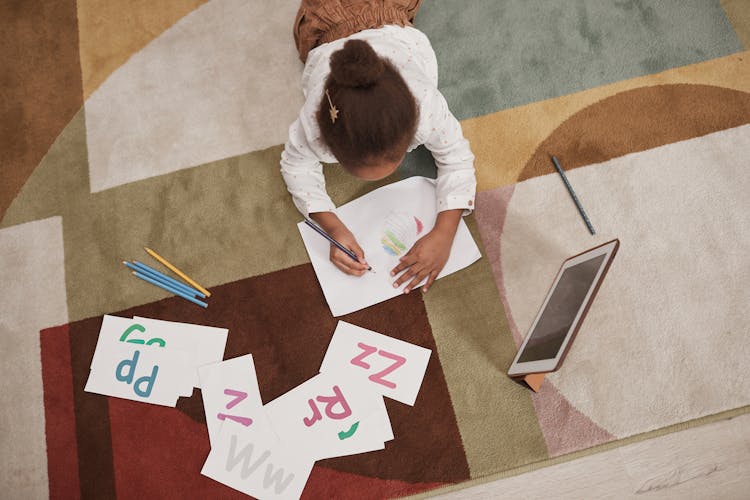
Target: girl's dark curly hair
x=377, y=114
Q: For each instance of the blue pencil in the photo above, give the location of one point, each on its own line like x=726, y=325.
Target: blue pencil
x=150, y=271
x=153, y=273
x=335, y=243
x=573, y=195
x=175, y=291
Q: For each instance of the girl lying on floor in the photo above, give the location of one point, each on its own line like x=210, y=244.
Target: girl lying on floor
x=370, y=86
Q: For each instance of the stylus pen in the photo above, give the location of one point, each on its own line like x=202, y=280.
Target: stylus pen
x=335, y=243
x=573, y=195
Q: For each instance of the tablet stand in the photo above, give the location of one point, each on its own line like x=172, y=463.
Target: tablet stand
x=534, y=380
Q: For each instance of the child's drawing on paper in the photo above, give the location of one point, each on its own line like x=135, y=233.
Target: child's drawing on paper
x=393, y=223
x=399, y=232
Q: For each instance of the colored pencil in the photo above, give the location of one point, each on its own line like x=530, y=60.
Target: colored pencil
x=573, y=195
x=169, y=279
x=177, y=271
x=170, y=289
x=335, y=243
x=150, y=271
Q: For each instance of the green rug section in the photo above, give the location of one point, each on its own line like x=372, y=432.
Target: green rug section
x=494, y=54
x=495, y=415
x=182, y=215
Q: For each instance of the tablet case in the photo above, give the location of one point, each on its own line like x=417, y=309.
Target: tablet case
x=534, y=380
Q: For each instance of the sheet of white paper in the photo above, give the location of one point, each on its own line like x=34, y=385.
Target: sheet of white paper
x=252, y=460
x=230, y=393
x=390, y=366
x=386, y=223
x=206, y=342
x=139, y=373
x=319, y=417
x=116, y=330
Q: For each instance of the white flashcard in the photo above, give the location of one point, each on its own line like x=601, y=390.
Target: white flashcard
x=230, y=392
x=139, y=373
x=125, y=331
x=322, y=416
x=373, y=432
x=206, y=342
x=253, y=460
x=390, y=366
x=381, y=422
x=386, y=222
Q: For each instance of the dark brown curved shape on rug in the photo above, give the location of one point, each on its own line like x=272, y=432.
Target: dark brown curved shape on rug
x=283, y=320
x=639, y=119
x=40, y=85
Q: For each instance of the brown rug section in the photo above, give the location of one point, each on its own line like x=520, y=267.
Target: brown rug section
x=636, y=120
x=40, y=85
x=283, y=320
x=93, y=436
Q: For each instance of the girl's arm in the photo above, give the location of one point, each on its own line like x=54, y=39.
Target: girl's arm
x=456, y=188
x=304, y=179
x=456, y=180
x=303, y=174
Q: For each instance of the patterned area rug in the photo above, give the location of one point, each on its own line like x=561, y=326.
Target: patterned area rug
x=131, y=124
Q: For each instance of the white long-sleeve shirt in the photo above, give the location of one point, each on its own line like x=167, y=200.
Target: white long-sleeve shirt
x=411, y=53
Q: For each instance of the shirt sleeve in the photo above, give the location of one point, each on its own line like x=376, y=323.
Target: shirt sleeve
x=303, y=174
x=456, y=180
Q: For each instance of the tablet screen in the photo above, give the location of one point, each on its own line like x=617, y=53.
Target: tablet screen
x=561, y=310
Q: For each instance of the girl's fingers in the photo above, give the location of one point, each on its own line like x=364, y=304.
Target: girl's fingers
x=408, y=274
x=430, y=281
x=346, y=264
x=419, y=277
x=344, y=267
x=406, y=261
x=360, y=253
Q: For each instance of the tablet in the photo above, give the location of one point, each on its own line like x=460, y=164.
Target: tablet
x=562, y=312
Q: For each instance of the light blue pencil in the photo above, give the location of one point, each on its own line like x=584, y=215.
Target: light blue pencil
x=175, y=291
x=138, y=266
x=154, y=274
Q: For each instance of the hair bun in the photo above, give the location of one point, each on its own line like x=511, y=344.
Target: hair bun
x=356, y=65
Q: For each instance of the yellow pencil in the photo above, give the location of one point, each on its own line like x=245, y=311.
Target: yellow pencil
x=177, y=271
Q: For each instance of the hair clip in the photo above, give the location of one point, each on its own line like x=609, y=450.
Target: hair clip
x=332, y=109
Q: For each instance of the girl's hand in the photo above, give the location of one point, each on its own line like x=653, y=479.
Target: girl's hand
x=336, y=229
x=429, y=254
x=343, y=261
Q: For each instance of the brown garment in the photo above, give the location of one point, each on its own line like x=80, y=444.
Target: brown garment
x=323, y=21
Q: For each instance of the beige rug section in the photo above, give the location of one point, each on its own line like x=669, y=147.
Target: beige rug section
x=202, y=91
x=32, y=272
x=680, y=279
x=110, y=31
